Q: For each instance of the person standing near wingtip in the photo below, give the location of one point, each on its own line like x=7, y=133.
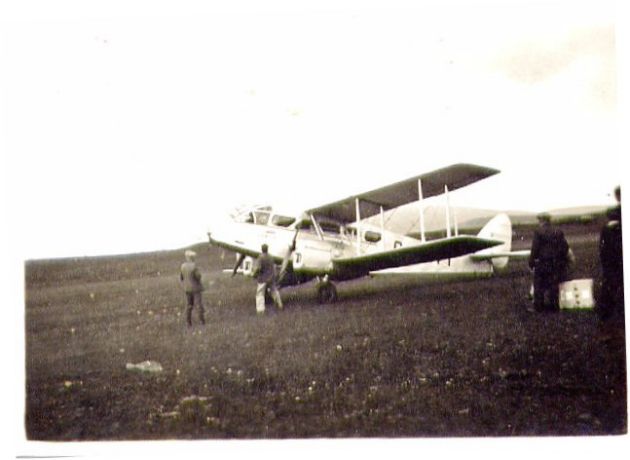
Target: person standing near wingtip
x=190, y=278
x=549, y=257
x=265, y=274
x=611, y=302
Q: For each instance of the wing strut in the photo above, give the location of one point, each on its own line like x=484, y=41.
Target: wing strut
x=455, y=222
x=318, y=229
x=448, y=213
x=382, y=229
x=421, y=210
x=358, y=212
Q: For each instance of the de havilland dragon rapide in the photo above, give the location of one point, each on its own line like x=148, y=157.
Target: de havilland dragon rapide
x=340, y=241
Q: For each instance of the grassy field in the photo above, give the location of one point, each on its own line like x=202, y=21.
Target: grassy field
x=391, y=358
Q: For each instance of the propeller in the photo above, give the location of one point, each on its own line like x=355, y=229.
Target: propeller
x=287, y=257
x=239, y=262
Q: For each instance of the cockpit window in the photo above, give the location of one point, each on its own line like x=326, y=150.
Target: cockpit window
x=252, y=214
x=282, y=221
x=246, y=217
x=306, y=225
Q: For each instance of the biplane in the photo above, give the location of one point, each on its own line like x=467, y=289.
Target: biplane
x=334, y=242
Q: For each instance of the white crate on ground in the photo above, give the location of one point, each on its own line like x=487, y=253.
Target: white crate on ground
x=577, y=294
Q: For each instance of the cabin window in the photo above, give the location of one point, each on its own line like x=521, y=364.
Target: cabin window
x=329, y=227
x=397, y=244
x=261, y=217
x=282, y=221
x=372, y=237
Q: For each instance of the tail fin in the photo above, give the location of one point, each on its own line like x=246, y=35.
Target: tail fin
x=498, y=228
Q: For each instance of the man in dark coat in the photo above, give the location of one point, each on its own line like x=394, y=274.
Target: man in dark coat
x=549, y=259
x=265, y=274
x=190, y=278
x=611, y=301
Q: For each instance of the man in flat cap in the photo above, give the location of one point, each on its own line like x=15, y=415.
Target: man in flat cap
x=190, y=278
x=265, y=274
x=549, y=258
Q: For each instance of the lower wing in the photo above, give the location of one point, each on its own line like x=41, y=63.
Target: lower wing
x=444, y=248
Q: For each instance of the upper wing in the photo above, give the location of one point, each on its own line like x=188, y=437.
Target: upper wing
x=444, y=248
x=403, y=192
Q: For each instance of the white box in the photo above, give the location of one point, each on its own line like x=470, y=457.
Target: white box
x=577, y=294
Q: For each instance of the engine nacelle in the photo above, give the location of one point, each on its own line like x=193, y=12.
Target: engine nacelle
x=312, y=258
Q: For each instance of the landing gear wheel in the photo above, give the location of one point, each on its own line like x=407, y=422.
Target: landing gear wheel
x=327, y=293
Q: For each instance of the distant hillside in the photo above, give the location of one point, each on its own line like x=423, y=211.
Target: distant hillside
x=582, y=212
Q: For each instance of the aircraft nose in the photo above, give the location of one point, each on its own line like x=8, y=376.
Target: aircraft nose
x=219, y=231
x=213, y=232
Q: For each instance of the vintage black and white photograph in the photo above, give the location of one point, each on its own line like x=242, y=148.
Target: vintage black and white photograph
x=313, y=222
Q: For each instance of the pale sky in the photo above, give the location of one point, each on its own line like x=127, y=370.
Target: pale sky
x=131, y=126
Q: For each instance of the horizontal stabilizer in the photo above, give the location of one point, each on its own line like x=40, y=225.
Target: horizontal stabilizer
x=444, y=248
x=511, y=254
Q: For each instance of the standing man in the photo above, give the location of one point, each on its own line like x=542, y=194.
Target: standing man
x=265, y=274
x=191, y=280
x=549, y=259
x=611, y=302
